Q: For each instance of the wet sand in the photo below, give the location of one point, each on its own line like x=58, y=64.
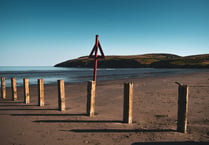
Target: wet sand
x=154, y=114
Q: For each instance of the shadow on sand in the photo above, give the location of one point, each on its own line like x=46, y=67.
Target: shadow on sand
x=17, y=105
x=48, y=115
x=78, y=121
x=21, y=109
x=171, y=143
x=119, y=130
x=10, y=101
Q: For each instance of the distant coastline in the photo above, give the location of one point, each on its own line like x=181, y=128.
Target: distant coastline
x=141, y=61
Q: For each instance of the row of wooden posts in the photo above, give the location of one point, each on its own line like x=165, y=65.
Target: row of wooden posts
x=61, y=91
x=91, y=89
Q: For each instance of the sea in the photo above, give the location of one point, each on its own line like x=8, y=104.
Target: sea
x=51, y=74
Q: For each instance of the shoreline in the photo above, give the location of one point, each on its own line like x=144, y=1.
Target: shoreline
x=80, y=75
x=121, y=79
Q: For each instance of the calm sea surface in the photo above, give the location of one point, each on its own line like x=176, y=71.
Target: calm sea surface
x=70, y=75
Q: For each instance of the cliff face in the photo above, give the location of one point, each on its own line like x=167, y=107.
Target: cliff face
x=142, y=61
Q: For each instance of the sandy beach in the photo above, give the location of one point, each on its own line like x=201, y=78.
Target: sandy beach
x=154, y=114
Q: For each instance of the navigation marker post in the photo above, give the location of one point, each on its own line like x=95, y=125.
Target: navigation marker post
x=91, y=88
x=94, y=54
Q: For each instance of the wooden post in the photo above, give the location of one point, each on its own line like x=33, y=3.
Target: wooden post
x=41, y=92
x=26, y=91
x=91, y=88
x=183, y=92
x=61, y=95
x=14, y=89
x=3, y=88
x=128, y=103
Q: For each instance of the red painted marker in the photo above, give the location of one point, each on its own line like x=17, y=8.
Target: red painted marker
x=94, y=54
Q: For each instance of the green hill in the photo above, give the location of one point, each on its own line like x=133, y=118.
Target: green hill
x=142, y=61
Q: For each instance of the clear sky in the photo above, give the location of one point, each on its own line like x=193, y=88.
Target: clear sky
x=46, y=32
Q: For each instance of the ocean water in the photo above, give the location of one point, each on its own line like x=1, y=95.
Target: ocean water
x=71, y=75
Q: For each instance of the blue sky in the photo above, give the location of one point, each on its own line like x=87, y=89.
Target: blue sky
x=46, y=32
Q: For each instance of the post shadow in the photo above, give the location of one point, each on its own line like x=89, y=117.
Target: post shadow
x=171, y=143
x=24, y=109
x=48, y=114
x=16, y=105
x=78, y=121
x=10, y=102
x=119, y=130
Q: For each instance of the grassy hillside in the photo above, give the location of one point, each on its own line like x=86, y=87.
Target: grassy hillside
x=141, y=61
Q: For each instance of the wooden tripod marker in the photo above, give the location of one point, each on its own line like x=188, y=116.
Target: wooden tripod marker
x=94, y=54
x=91, y=88
x=3, y=88
x=26, y=91
x=41, y=92
x=183, y=92
x=14, y=89
x=128, y=103
x=61, y=95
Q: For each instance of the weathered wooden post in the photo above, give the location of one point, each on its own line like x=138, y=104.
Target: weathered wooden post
x=26, y=90
x=183, y=92
x=128, y=103
x=3, y=88
x=41, y=92
x=14, y=89
x=91, y=88
x=61, y=95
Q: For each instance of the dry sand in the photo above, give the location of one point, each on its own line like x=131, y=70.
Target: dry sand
x=154, y=114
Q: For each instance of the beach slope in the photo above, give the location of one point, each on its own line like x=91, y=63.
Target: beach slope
x=154, y=114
